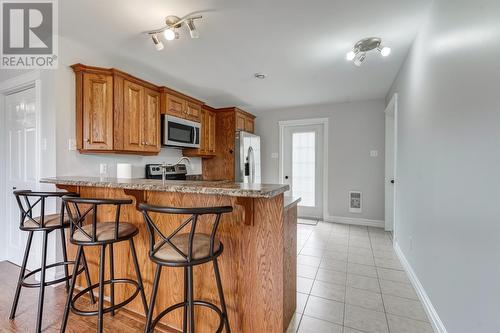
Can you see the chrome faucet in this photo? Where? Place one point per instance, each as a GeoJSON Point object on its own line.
{"type": "Point", "coordinates": [164, 166]}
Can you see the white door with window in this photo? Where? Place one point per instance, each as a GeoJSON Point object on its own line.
{"type": "Point", "coordinates": [20, 167]}
{"type": "Point", "coordinates": [303, 167]}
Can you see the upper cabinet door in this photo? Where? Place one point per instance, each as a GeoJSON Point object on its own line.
{"type": "Point", "coordinates": [151, 121]}
{"type": "Point", "coordinates": [204, 131]}
{"type": "Point", "coordinates": [240, 122]}
{"type": "Point", "coordinates": [193, 111]}
{"type": "Point", "coordinates": [176, 106]}
{"type": "Point", "coordinates": [97, 112]}
{"type": "Point", "coordinates": [249, 125]}
{"type": "Point", "coordinates": [211, 132]}
{"type": "Point", "coordinates": [133, 109]}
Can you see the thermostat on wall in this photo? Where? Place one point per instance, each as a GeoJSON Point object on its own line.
{"type": "Point", "coordinates": [355, 202]}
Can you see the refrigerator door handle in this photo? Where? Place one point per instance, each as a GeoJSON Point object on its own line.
{"type": "Point", "coordinates": [251, 161]}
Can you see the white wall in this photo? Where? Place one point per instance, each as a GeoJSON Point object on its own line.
{"type": "Point", "coordinates": [448, 207]}
{"type": "Point", "coordinates": [355, 129]}
{"type": "Point", "coordinates": [74, 163]}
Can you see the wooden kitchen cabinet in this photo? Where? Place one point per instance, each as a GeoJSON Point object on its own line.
{"type": "Point", "coordinates": [152, 123]}
{"type": "Point", "coordinates": [95, 111]}
{"type": "Point", "coordinates": [179, 105]}
{"type": "Point", "coordinates": [208, 135]}
{"type": "Point", "coordinates": [116, 112]}
{"type": "Point", "coordinates": [244, 121]}
{"type": "Point", "coordinates": [193, 111]}
{"type": "Point", "coordinates": [227, 122]}
{"type": "Point", "coordinates": [175, 106]}
{"type": "Point", "coordinates": [133, 116]}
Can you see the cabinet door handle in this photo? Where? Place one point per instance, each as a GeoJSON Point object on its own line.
{"type": "Point", "coordinates": [87, 140]}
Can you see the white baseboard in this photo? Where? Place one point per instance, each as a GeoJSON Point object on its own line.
{"type": "Point", "coordinates": [436, 322]}
{"type": "Point", "coordinates": [355, 221]}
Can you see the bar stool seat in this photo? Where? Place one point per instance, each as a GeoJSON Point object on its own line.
{"type": "Point", "coordinates": [30, 202]}
{"type": "Point", "coordinates": [52, 221]}
{"type": "Point", "coordinates": [185, 250]}
{"type": "Point", "coordinates": [201, 249]}
{"type": "Point", "coordinates": [86, 230]}
{"type": "Point", "coordinates": [105, 231]}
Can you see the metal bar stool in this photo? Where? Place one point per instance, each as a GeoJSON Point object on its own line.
{"type": "Point", "coordinates": [85, 230]}
{"type": "Point", "coordinates": [185, 250]}
{"type": "Point", "coordinates": [29, 202]}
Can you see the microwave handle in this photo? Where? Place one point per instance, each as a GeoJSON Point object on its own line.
{"type": "Point", "coordinates": [193, 134]}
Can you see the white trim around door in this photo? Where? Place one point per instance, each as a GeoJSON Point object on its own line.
{"type": "Point", "coordinates": [324, 122]}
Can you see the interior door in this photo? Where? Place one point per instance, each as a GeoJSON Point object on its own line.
{"type": "Point", "coordinates": [303, 167]}
{"type": "Point", "coordinates": [21, 165]}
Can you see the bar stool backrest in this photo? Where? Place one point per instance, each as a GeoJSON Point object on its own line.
{"type": "Point", "coordinates": [76, 205]}
{"type": "Point", "coordinates": [32, 205]}
{"type": "Point", "coordinates": [157, 242]}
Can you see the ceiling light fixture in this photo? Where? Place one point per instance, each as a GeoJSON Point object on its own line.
{"type": "Point", "coordinates": [157, 42]}
{"type": "Point", "coordinates": [358, 52]}
{"type": "Point", "coordinates": [172, 24]}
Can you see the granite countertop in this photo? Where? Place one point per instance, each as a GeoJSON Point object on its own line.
{"type": "Point", "coordinates": [188, 186]}
{"type": "Point", "coordinates": [289, 201]}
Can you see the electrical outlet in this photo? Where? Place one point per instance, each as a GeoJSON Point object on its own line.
{"type": "Point", "coordinates": [72, 144]}
{"type": "Point", "coordinates": [274, 155]}
{"type": "Point", "coordinates": [373, 153]}
{"type": "Point", "coordinates": [103, 169]}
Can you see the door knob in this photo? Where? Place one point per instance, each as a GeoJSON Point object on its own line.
{"type": "Point", "coordinates": [392, 181]}
{"type": "Point", "coordinates": [286, 177]}
{"type": "Point", "coordinates": [14, 188]}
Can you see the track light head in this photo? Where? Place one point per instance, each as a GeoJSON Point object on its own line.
{"type": "Point", "coordinates": [169, 34]}
{"type": "Point", "coordinates": [359, 58]}
{"type": "Point", "coordinates": [385, 51]}
{"type": "Point", "coordinates": [157, 42]}
{"type": "Point", "coordinates": [192, 29]}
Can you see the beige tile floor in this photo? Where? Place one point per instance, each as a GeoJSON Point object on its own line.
{"type": "Point", "coordinates": [349, 280]}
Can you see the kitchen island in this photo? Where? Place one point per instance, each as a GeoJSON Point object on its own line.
{"type": "Point", "coordinates": [258, 265]}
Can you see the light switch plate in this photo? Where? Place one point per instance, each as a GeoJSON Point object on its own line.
{"type": "Point", "coordinates": [373, 153]}
{"type": "Point", "coordinates": [274, 155]}
{"type": "Point", "coordinates": [72, 144]}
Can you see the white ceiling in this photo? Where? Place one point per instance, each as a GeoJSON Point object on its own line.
{"type": "Point", "coordinates": [299, 44]}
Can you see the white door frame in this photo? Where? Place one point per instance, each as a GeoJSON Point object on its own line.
{"type": "Point", "coordinates": [18, 83]}
{"type": "Point", "coordinates": [304, 122]}
{"type": "Point", "coordinates": [392, 111]}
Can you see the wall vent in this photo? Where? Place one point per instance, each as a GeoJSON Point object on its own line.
{"type": "Point", "coordinates": [355, 202]}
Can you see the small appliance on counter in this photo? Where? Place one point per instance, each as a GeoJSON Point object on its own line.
{"type": "Point", "coordinates": [124, 170]}
{"type": "Point", "coordinates": [173, 172]}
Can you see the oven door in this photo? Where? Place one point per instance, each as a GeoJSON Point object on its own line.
{"type": "Point", "coordinates": [179, 132]}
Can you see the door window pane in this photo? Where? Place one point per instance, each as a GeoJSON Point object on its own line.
{"type": "Point", "coordinates": [304, 167]}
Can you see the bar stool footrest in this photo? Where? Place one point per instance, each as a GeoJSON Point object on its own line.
{"type": "Point", "coordinates": [49, 283]}
{"type": "Point", "coordinates": [209, 305]}
{"type": "Point", "coordinates": [80, 312]}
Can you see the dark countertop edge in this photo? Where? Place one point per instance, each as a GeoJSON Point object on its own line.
{"type": "Point", "coordinates": [247, 193]}
{"type": "Point", "coordinates": [289, 201]}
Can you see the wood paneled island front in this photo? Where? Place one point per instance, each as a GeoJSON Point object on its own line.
{"type": "Point", "coordinates": [258, 265]}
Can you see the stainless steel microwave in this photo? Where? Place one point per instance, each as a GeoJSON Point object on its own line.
{"type": "Point", "coordinates": [178, 132]}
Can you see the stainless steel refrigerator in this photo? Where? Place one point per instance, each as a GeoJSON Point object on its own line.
{"type": "Point", "coordinates": [247, 158]}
